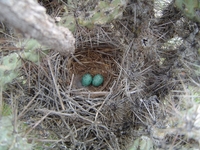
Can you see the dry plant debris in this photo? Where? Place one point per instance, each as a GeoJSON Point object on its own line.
{"type": "Point", "coordinates": [140, 68]}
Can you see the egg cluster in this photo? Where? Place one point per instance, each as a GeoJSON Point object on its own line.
{"type": "Point", "coordinates": [96, 81]}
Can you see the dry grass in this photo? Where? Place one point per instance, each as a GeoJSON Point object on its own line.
{"type": "Point", "coordinates": [138, 74]}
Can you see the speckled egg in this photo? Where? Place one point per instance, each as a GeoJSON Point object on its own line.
{"type": "Point", "coordinates": [97, 80]}
{"type": "Point", "coordinates": [86, 79]}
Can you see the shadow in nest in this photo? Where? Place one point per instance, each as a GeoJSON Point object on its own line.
{"type": "Point", "coordinates": [93, 61]}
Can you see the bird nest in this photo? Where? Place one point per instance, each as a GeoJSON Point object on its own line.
{"type": "Point", "coordinates": [137, 73]}
{"type": "Point", "coordinates": [93, 61]}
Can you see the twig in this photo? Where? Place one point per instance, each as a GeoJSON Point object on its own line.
{"type": "Point", "coordinates": [70, 86]}
{"type": "Point", "coordinates": [20, 115]}
{"type": "Point", "coordinates": [74, 115]}
{"type": "Point", "coordinates": [111, 89]}
{"type": "Point", "coordinates": [57, 90]}
{"type": "Point", "coordinates": [37, 123]}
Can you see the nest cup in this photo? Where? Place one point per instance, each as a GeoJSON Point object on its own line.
{"type": "Point", "coordinates": [93, 61]}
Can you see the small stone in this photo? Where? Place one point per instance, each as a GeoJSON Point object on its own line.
{"type": "Point", "coordinates": [86, 79]}
{"type": "Point", "coordinates": [97, 80]}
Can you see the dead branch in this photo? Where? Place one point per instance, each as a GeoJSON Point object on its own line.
{"type": "Point", "coordinates": [28, 17]}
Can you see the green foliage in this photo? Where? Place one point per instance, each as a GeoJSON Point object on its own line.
{"type": "Point", "coordinates": [8, 68]}
{"type": "Point", "coordinates": [30, 50]}
{"type": "Point", "coordinates": [10, 139]}
{"type": "Point", "coordinates": [104, 12]}
{"type": "Point", "coordinates": [142, 143]}
{"type": "Point", "coordinates": [10, 64]}
{"type": "Point", "coordinates": [191, 8]}
{"type": "Point", "coordinates": [6, 110]}
{"type": "Point", "coordinates": [68, 20]}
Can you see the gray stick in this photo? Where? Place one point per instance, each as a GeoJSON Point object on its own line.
{"type": "Point", "coordinates": [30, 18]}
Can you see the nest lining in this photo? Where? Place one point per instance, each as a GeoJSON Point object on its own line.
{"type": "Point", "coordinates": [94, 61]}
{"type": "Point", "coordinates": [115, 112]}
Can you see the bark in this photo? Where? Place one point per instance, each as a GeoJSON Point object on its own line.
{"type": "Point", "coordinates": [28, 17]}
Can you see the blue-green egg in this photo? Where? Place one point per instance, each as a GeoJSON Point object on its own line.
{"type": "Point", "coordinates": [86, 79]}
{"type": "Point", "coordinates": [97, 80]}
